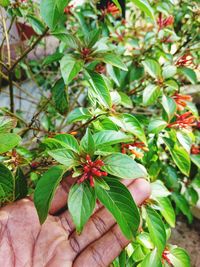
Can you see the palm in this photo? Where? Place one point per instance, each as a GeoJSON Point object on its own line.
{"type": "Point", "coordinates": [24, 242]}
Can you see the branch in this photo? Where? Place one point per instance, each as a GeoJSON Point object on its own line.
{"type": "Point", "coordinates": [29, 49]}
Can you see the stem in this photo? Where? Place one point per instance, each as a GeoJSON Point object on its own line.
{"type": "Point", "coordinates": [6, 37]}
{"type": "Point", "coordinates": [11, 93]}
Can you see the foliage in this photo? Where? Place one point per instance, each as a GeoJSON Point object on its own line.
{"type": "Point", "coordinates": [117, 109]}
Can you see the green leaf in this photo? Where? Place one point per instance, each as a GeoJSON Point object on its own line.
{"type": "Point", "coordinates": [109, 137]}
{"type": "Point", "coordinates": [144, 6]}
{"type": "Point", "coordinates": [87, 143]}
{"type": "Point", "coordinates": [68, 141]}
{"type": "Point", "coordinates": [102, 183]}
{"type": "Point", "coordinates": [116, 2]}
{"type": "Point", "coordinates": [167, 210]}
{"type": "Point", "coordinates": [36, 24]}
{"type": "Point", "coordinates": [184, 139]}
{"type": "Point", "coordinates": [65, 157]}
{"type": "Point", "coordinates": [158, 189]}
{"type": "Point", "coordinates": [152, 67]}
{"type": "Point", "coordinates": [196, 160]}
{"type": "Point", "coordinates": [100, 89]}
{"type": "Point", "coordinates": [151, 259]}
{"type": "Point", "coordinates": [114, 60]}
{"type": "Point", "coordinates": [45, 190]}
{"type": "Point", "coordinates": [21, 187]}
{"type": "Point", "coordinates": [131, 125]}
{"type": "Point", "coordinates": [70, 67]}
{"type": "Point", "coordinates": [179, 155]}
{"type": "Point", "coordinates": [169, 106]}
{"type": "Point", "coordinates": [183, 205]}
{"type": "Point", "coordinates": [60, 97]}
{"type": "Point", "coordinates": [179, 257]}
{"type": "Point", "coordinates": [8, 141]}
{"type": "Point", "coordinates": [151, 94]}
{"type": "Point", "coordinates": [81, 203]}
{"type": "Point", "coordinates": [144, 239]}
{"type": "Point", "coordinates": [156, 126]}
{"type": "Point", "coordinates": [7, 185]}
{"type": "Point", "coordinates": [122, 166]}
{"type": "Point", "coordinates": [69, 40]}
{"type": "Point", "coordinates": [7, 124]}
{"type": "Point", "coordinates": [91, 38]}
{"type": "Point", "coordinates": [120, 203]}
{"type": "Point", "coordinates": [78, 114]}
{"type": "Point", "coordinates": [52, 11]}
{"type": "Point", "coordinates": [52, 58]}
{"type": "Point", "coordinates": [169, 71]}
{"type": "Point", "coordinates": [189, 74]}
{"type": "Point", "coordinates": [156, 229]}
{"type": "Point", "coordinates": [125, 100]}
{"type": "Point", "coordinates": [4, 3]}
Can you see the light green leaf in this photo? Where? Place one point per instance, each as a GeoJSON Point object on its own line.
{"type": "Point", "coordinates": [114, 60]}
{"type": "Point", "coordinates": [7, 124]}
{"type": "Point", "coordinates": [120, 203]}
{"type": "Point", "coordinates": [144, 6]}
{"type": "Point", "coordinates": [156, 229]}
{"type": "Point", "coordinates": [122, 166]}
{"type": "Point", "coordinates": [179, 155]}
{"type": "Point", "coordinates": [81, 203]}
{"type": "Point", "coordinates": [169, 106]}
{"type": "Point", "coordinates": [167, 210]}
{"type": "Point", "coordinates": [152, 67]}
{"type": "Point", "coordinates": [151, 259]}
{"type": "Point", "coordinates": [151, 94]}
{"type": "Point", "coordinates": [8, 141]}
{"type": "Point", "coordinates": [156, 126]}
{"type": "Point", "coordinates": [158, 189]}
{"type": "Point", "coordinates": [87, 143]}
{"type": "Point", "coordinates": [179, 257]}
{"type": "Point", "coordinates": [70, 67]}
{"type": "Point", "coordinates": [45, 190]}
{"type": "Point", "coordinates": [109, 137]}
{"type": "Point", "coordinates": [196, 160]}
{"type": "Point", "coordinates": [78, 114]}
{"type": "Point", "coordinates": [65, 157]}
{"type": "Point", "coordinates": [189, 74]}
{"type": "Point", "coordinates": [52, 11]}
{"type": "Point", "coordinates": [169, 71]}
{"type": "Point", "coordinates": [68, 141]}
{"type": "Point", "coordinates": [100, 89]}
{"type": "Point", "coordinates": [4, 3]}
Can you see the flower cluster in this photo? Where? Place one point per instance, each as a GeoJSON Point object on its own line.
{"type": "Point", "coordinates": [185, 120]}
{"type": "Point", "coordinates": [91, 169]}
{"type": "Point", "coordinates": [195, 150]}
{"type": "Point", "coordinates": [185, 60]}
{"type": "Point", "coordinates": [181, 100]}
{"type": "Point", "coordinates": [165, 254]}
{"type": "Point", "coordinates": [163, 23]}
{"type": "Point", "coordinates": [132, 149]}
{"type": "Point", "coordinates": [110, 9]}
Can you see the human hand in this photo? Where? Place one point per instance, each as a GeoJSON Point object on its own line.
{"type": "Point", "coordinates": [26, 243]}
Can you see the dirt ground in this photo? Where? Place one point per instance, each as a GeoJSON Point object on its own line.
{"type": "Point", "coordinates": [188, 237]}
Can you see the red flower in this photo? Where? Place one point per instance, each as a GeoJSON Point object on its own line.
{"type": "Point", "coordinates": [181, 100]}
{"type": "Point", "coordinates": [68, 9]}
{"type": "Point", "coordinates": [185, 120]}
{"type": "Point", "coordinates": [131, 148]}
{"type": "Point", "coordinates": [100, 68]}
{"type": "Point", "coordinates": [92, 169]}
{"type": "Point", "coordinates": [165, 254]}
{"type": "Point", "coordinates": [163, 23]}
{"type": "Point", "coordinates": [195, 150]}
{"type": "Point", "coordinates": [110, 9]}
{"type": "Point", "coordinates": [185, 60]}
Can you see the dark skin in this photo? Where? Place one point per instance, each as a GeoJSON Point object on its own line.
{"type": "Point", "coordinates": [25, 243]}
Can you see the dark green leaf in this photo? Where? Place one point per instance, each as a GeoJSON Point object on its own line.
{"type": "Point", "coordinates": [45, 190]}
{"type": "Point", "coordinates": [60, 97]}
{"type": "Point", "coordinates": [81, 203]}
{"type": "Point", "coordinates": [196, 160]}
{"type": "Point", "coordinates": [120, 203]}
{"type": "Point", "coordinates": [68, 141]}
{"type": "Point", "coordinates": [52, 58]}
{"type": "Point", "coordinates": [189, 74]}
{"type": "Point", "coordinates": [7, 185]}
{"type": "Point", "coordinates": [122, 166]}
{"type": "Point", "coordinates": [68, 39]}
{"type": "Point", "coordinates": [21, 188]}
{"type": "Point", "coordinates": [36, 24]}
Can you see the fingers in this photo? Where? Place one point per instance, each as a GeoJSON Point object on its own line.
{"type": "Point", "coordinates": [101, 221]}
{"type": "Point", "coordinates": [60, 199]}
{"type": "Point", "coordinates": [102, 252]}
{"type": "Point", "coordinates": [105, 249]}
